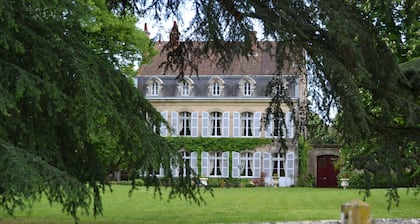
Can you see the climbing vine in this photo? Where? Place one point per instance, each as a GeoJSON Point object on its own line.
{"type": "Point", "coordinates": [217, 144]}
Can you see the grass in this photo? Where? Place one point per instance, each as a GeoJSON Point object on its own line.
{"type": "Point", "coordinates": [230, 205]}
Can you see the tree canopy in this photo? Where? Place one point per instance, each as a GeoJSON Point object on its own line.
{"type": "Point", "coordinates": [69, 112]}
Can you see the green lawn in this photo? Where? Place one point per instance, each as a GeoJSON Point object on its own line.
{"type": "Point", "coordinates": [228, 206]}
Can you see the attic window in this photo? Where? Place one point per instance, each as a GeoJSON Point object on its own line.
{"type": "Point", "coordinates": [154, 86]}
{"type": "Point", "coordinates": [216, 85]}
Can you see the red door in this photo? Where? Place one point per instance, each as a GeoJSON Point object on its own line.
{"type": "Point", "coordinates": [326, 173]}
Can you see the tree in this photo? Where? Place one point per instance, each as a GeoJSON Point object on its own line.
{"type": "Point", "coordinates": [351, 52]}
{"type": "Point", "coordinates": [69, 112]}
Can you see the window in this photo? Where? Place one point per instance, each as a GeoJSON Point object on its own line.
{"type": "Point", "coordinates": [185, 123]}
{"type": "Point", "coordinates": [278, 165]}
{"type": "Point", "coordinates": [247, 89]}
{"type": "Point", "coordinates": [185, 89]}
{"type": "Point", "coordinates": [216, 89]}
{"type": "Point", "coordinates": [215, 85]}
{"type": "Point", "coordinates": [216, 123]}
{"type": "Point", "coordinates": [155, 89]}
{"type": "Point", "coordinates": [154, 86]}
{"type": "Point", "coordinates": [247, 86]}
{"type": "Point", "coordinates": [246, 166]}
{"type": "Point", "coordinates": [247, 119]}
{"type": "Point", "coordinates": [190, 159]}
{"type": "Point", "coordinates": [215, 164]}
{"type": "Point", "coordinates": [277, 127]}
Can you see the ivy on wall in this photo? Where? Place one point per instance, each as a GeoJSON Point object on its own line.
{"type": "Point", "coordinates": [217, 144]}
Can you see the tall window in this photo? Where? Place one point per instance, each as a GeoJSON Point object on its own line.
{"type": "Point", "coordinates": [216, 89]}
{"type": "Point", "coordinates": [247, 88]}
{"type": "Point", "coordinates": [215, 163]}
{"type": "Point", "coordinates": [246, 123]}
{"type": "Point", "coordinates": [154, 91]}
{"type": "Point", "coordinates": [278, 165]}
{"type": "Point", "coordinates": [185, 123]}
{"type": "Point", "coordinates": [277, 127]}
{"type": "Point", "coordinates": [216, 123]}
{"type": "Point", "coordinates": [185, 89]}
{"type": "Point", "coordinates": [186, 156]}
{"type": "Point", "coordinates": [246, 166]}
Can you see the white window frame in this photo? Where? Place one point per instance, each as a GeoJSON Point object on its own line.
{"type": "Point", "coordinates": [246, 164]}
{"type": "Point", "coordinates": [185, 89]}
{"type": "Point", "coordinates": [247, 121]}
{"type": "Point", "coordinates": [185, 123]}
{"type": "Point", "coordinates": [247, 89]}
{"type": "Point", "coordinates": [216, 126]}
{"type": "Point", "coordinates": [154, 90]}
{"type": "Point", "coordinates": [215, 164]}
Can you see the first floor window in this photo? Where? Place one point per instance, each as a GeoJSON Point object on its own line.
{"type": "Point", "coordinates": [278, 165]}
{"type": "Point", "coordinates": [246, 165]}
{"type": "Point", "coordinates": [215, 162]}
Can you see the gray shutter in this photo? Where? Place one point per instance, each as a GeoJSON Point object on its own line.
{"type": "Point", "coordinates": [204, 164]}
{"type": "Point", "coordinates": [290, 125]}
{"type": "Point", "coordinates": [235, 164]}
{"type": "Point", "coordinates": [269, 128]}
{"type": "Point", "coordinates": [193, 162]}
{"type": "Point", "coordinates": [225, 164]}
{"type": "Point", "coordinates": [175, 169]}
{"type": "Point", "coordinates": [194, 124]}
{"type": "Point", "coordinates": [174, 123]}
{"type": "Point", "coordinates": [257, 164]}
{"type": "Point", "coordinates": [236, 124]}
{"type": "Point", "coordinates": [267, 164]}
{"type": "Point", "coordinates": [225, 121]}
{"type": "Point", "coordinates": [163, 129]}
{"type": "Point", "coordinates": [257, 124]}
{"type": "Point", "coordinates": [205, 124]}
{"type": "Point", "coordinates": [290, 165]}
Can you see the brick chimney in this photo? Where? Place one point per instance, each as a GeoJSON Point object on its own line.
{"type": "Point", "coordinates": [174, 36]}
{"type": "Point", "coordinates": [253, 39]}
{"type": "Point", "coordinates": [145, 30]}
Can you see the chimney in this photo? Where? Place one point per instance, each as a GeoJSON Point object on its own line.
{"type": "Point", "coordinates": [174, 36]}
{"type": "Point", "coordinates": [145, 29]}
{"type": "Point", "coordinates": [253, 40]}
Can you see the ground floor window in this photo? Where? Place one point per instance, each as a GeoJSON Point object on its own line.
{"type": "Point", "coordinates": [278, 165]}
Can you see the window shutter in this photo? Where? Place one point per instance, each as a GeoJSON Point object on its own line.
{"type": "Point", "coordinates": [296, 88]}
{"type": "Point", "coordinates": [290, 125]}
{"type": "Point", "coordinates": [161, 171]}
{"type": "Point", "coordinates": [290, 165]}
{"type": "Point", "coordinates": [204, 164]}
{"type": "Point", "coordinates": [174, 123]}
{"type": "Point", "coordinates": [175, 170]}
{"type": "Point", "coordinates": [235, 164]}
{"type": "Point", "coordinates": [267, 164]}
{"type": "Point", "coordinates": [236, 124]}
{"type": "Point", "coordinates": [194, 124]}
{"type": "Point", "coordinates": [205, 124]}
{"type": "Point", "coordinates": [269, 128]}
{"type": "Point", "coordinates": [163, 129]}
{"type": "Point", "coordinates": [225, 164]}
{"type": "Point", "coordinates": [257, 124]}
{"type": "Point", "coordinates": [193, 162]}
{"type": "Point", "coordinates": [257, 164]}
{"type": "Point", "coordinates": [225, 131]}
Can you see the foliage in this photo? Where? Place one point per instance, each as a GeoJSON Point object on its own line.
{"type": "Point", "coordinates": [319, 132]}
{"type": "Point", "coordinates": [304, 179]}
{"type": "Point", "coordinates": [216, 144]}
{"type": "Point", "coordinates": [69, 113]}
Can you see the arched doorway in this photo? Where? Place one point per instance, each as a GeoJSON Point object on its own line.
{"type": "Point", "coordinates": [326, 172]}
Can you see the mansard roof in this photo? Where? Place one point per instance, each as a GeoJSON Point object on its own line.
{"type": "Point", "coordinates": [261, 62]}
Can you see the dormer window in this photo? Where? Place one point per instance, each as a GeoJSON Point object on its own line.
{"type": "Point", "coordinates": [154, 86]}
{"type": "Point", "coordinates": [154, 91]}
{"type": "Point", "coordinates": [216, 85]}
{"type": "Point", "coordinates": [247, 86]}
{"type": "Point", "coordinates": [185, 87]}
{"type": "Point", "coordinates": [216, 89]}
{"type": "Point", "coordinates": [247, 89]}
